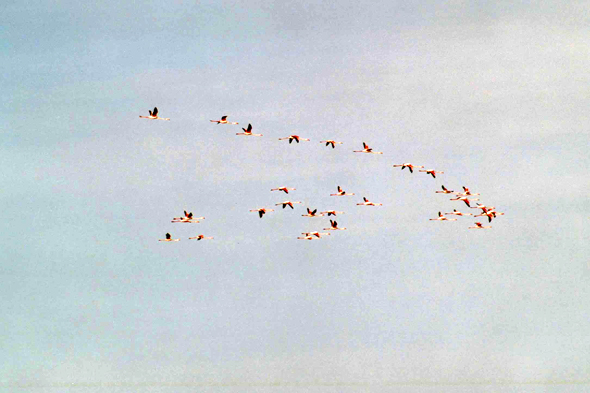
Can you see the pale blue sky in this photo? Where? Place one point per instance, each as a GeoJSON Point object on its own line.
{"type": "Point", "coordinates": [495, 94]}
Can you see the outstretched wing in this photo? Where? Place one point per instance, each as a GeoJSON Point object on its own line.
{"type": "Point", "coordinates": [168, 236]}
{"type": "Point", "coordinates": [155, 112]}
{"type": "Point", "coordinates": [223, 118]}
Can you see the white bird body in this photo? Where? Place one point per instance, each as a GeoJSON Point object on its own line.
{"type": "Point", "coordinates": [154, 115]}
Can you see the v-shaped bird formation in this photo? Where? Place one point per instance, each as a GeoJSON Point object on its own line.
{"type": "Point", "coordinates": [466, 195]}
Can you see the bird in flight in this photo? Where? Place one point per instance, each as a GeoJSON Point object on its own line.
{"type": "Point", "coordinates": [441, 217]}
{"type": "Point", "coordinates": [431, 172]}
{"type": "Point", "coordinates": [286, 203]}
{"type": "Point", "coordinates": [312, 213]}
{"type": "Point", "coordinates": [367, 149]}
{"type": "Point", "coordinates": [292, 138]}
{"type": "Point", "coordinates": [248, 131]}
{"type": "Point", "coordinates": [445, 191]}
{"type": "Point", "coordinates": [154, 115]}
{"type": "Point", "coordinates": [284, 189]}
{"type": "Point", "coordinates": [262, 211]}
{"type": "Point", "coordinates": [222, 121]}
{"type": "Point", "coordinates": [200, 237]}
{"type": "Point", "coordinates": [366, 202]}
{"type": "Point", "coordinates": [455, 212]}
{"type": "Point", "coordinates": [168, 239]}
{"type": "Point", "coordinates": [479, 226]}
{"type": "Point", "coordinates": [188, 218]}
{"type": "Point", "coordinates": [341, 192]}
{"type": "Point", "coordinates": [464, 199]}
{"type": "Point", "coordinates": [332, 213]}
{"type": "Point", "coordinates": [409, 166]}
{"type": "Point", "coordinates": [334, 227]}
{"type": "Point", "coordinates": [331, 142]}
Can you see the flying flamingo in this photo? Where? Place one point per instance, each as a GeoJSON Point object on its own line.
{"type": "Point", "coordinates": [445, 191]}
{"type": "Point", "coordinates": [441, 217]}
{"type": "Point", "coordinates": [341, 192]}
{"type": "Point", "coordinates": [332, 213]}
{"type": "Point", "coordinates": [309, 237]}
{"type": "Point", "coordinates": [295, 138]}
{"type": "Point", "coordinates": [331, 142]}
{"type": "Point", "coordinates": [455, 212]}
{"type": "Point", "coordinates": [284, 189]}
{"type": "Point", "coordinates": [409, 166]}
{"type": "Point", "coordinates": [431, 172]}
{"type": "Point", "coordinates": [483, 208]}
{"type": "Point", "coordinates": [334, 227]}
{"type": "Point", "coordinates": [168, 239]}
{"type": "Point", "coordinates": [188, 218]}
{"type": "Point", "coordinates": [316, 234]}
{"type": "Point", "coordinates": [466, 192]}
{"type": "Point", "coordinates": [222, 121]}
{"type": "Point", "coordinates": [464, 199]}
{"type": "Point", "coordinates": [367, 203]}
{"type": "Point", "coordinates": [311, 213]}
{"type": "Point", "coordinates": [200, 237]}
{"type": "Point", "coordinates": [286, 203]}
{"type": "Point", "coordinates": [479, 226]}
{"type": "Point", "coordinates": [154, 115]}
{"type": "Point", "coordinates": [367, 149]}
{"type": "Point", "coordinates": [262, 211]}
{"type": "Point", "coordinates": [248, 131]}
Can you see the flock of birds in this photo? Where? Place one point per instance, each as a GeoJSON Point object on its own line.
{"type": "Point", "coordinates": [466, 196]}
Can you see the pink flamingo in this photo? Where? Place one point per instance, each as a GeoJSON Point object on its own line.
{"type": "Point", "coordinates": [295, 138]}
{"type": "Point", "coordinates": [286, 203]}
{"type": "Point", "coordinates": [222, 121]}
{"type": "Point", "coordinates": [329, 142]}
{"type": "Point", "coordinates": [248, 131]}
{"type": "Point", "coordinates": [431, 172]}
{"type": "Point", "coordinates": [367, 149]}
{"type": "Point", "coordinates": [200, 237]}
{"type": "Point", "coordinates": [441, 217]}
{"type": "Point", "coordinates": [334, 227]}
{"type": "Point", "coordinates": [368, 203]}
{"type": "Point", "coordinates": [262, 211]}
{"type": "Point", "coordinates": [284, 189]}
{"type": "Point", "coordinates": [445, 191]}
{"type": "Point", "coordinates": [341, 192]}
{"type": "Point", "coordinates": [479, 226]}
{"type": "Point", "coordinates": [168, 239]}
{"type": "Point", "coordinates": [409, 166]}
{"type": "Point", "coordinates": [154, 115]}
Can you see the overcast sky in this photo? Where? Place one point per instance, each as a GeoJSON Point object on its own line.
{"type": "Point", "coordinates": [493, 93]}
